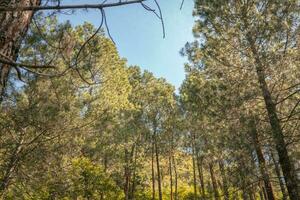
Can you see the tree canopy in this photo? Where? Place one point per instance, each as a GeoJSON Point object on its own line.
{"type": "Point", "coordinates": [77, 122]}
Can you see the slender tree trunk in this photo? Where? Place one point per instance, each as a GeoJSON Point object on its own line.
{"type": "Point", "coordinates": [152, 169]}
{"type": "Point", "coordinates": [133, 187]}
{"type": "Point", "coordinates": [214, 181]}
{"type": "Point", "coordinates": [250, 193]}
{"type": "Point", "coordinates": [200, 173]}
{"type": "Point", "coordinates": [126, 175]}
{"type": "Point", "coordinates": [171, 177]}
{"type": "Point", "coordinates": [261, 193]}
{"type": "Point", "coordinates": [105, 160]}
{"type": "Point", "coordinates": [210, 190]}
{"type": "Point", "coordinates": [264, 192]}
{"type": "Point", "coordinates": [278, 136]}
{"type": "Point", "coordinates": [224, 180]}
{"type": "Point", "coordinates": [194, 166]}
{"type": "Point", "coordinates": [13, 27]}
{"type": "Point", "coordinates": [245, 194]}
{"type": "Point", "coordinates": [171, 151]}
{"type": "Point", "coordinates": [261, 159]}
{"type": "Point", "coordinates": [129, 160]}
{"type": "Point", "coordinates": [176, 178]}
{"type": "Point", "coordinates": [158, 167]}
{"type": "Point", "coordinates": [194, 176]}
{"type": "Point", "coordinates": [200, 170]}
{"type": "Point", "coordinates": [278, 173]}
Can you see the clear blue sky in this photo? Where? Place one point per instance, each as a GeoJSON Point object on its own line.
{"type": "Point", "coordinates": [138, 35]}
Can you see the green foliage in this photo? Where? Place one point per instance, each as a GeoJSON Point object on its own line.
{"type": "Point", "coordinates": [88, 181]}
{"type": "Point", "coordinates": [94, 128]}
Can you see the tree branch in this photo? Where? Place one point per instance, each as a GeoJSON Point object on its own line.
{"type": "Point", "coordinates": [16, 64]}
{"type": "Point", "coordinates": [64, 7]}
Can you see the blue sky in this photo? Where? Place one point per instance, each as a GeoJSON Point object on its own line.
{"type": "Point", "coordinates": [138, 35]}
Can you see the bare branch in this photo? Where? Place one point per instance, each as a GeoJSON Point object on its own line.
{"type": "Point", "coordinates": [90, 38]}
{"type": "Point", "coordinates": [290, 95]}
{"type": "Point", "coordinates": [16, 64]}
{"type": "Point", "coordinates": [157, 14]}
{"type": "Point", "coordinates": [181, 6]}
{"type": "Point", "coordinates": [65, 7]}
{"type": "Point", "coordinates": [106, 26]}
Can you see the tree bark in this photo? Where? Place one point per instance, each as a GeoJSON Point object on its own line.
{"type": "Point", "coordinates": [134, 160]}
{"type": "Point", "coordinates": [214, 181]}
{"type": "Point", "coordinates": [278, 173]}
{"type": "Point", "coordinates": [261, 193]}
{"type": "Point", "coordinates": [13, 28]}
{"type": "Point", "coordinates": [194, 176]}
{"type": "Point", "coordinates": [263, 190]}
{"type": "Point", "coordinates": [127, 175]}
{"type": "Point", "coordinates": [278, 136]}
{"type": "Point", "coordinates": [224, 180]}
{"type": "Point", "coordinates": [201, 177]}
{"type": "Point", "coordinates": [171, 177]}
{"type": "Point", "coordinates": [152, 170]}
{"type": "Point", "coordinates": [157, 167]}
{"type": "Point", "coordinates": [194, 166]}
{"type": "Point", "coordinates": [261, 159]}
{"type": "Point", "coordinates": [176, 178]}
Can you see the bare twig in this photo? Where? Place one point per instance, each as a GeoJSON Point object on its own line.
{"type": "Point", "coordinates": [287, 97]}
{"type": "Point", "coordinates": [158, 15]}
{"type": "Point", "coordinates": [106, 26]}
{"type": "Point", "coordinates": [17, 64]}
{"type": "Point", "coordinates": [90, 38]}
{"type": "Point", "coordinates": [181, 6]}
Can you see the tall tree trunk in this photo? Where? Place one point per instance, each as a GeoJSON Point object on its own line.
{"type": "Point", "coordinates": [158, 167]}
{"type": "Point", "coordinates": [224, 180]}
{"type": "Point", "coordinates": [176, 178]}
{"type": "Point", "coordinates": [263, 189]}
{"type": "Point", "coordinates": [13, 27]}
{"type": "Point", "coordinates": [261, 192]}
{"type": "Point", "coordinates": [133, 185]}
{"type": "Point", "coordinates": [214, 181]}
{"type": "Point", "coordinates": [278, 173]}
{"type": "Point", "coordinates": [129, 160]}
{"type": "Point", "coordinates": [261, 159]}
{"type": "Point", "coordinates": [171, 177]}
{"type": "Point", "coordinates": [278, 136]}
{"type": "Point", "coordinates": [194, 166]}
{"type": "Point", "coordinates": [199, 162]}
{"type": "Point", "coordinates": [126, 175]}
{"type": "Point", "coordinates": [194, 176]}
{"type": "Point", "coordinates": [171, 152]}
{"type": "Point", "coordinates": [152, 170]}
{"type": "Point", "coordinates": [105, 163]}
{"type": "Point", "coordinates": [200, 173]}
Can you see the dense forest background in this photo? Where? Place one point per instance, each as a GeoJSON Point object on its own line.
{"type": "Point", "coordinates": [78, 123]}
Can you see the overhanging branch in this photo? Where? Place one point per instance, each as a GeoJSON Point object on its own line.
{"type": "Point", "coordinates": [16, 64]}
{"type": "Point", "coordinates": [65, 7]}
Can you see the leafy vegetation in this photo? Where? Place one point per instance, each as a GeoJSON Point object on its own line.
{"type": "Point", "coordinates": [95, 128]}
